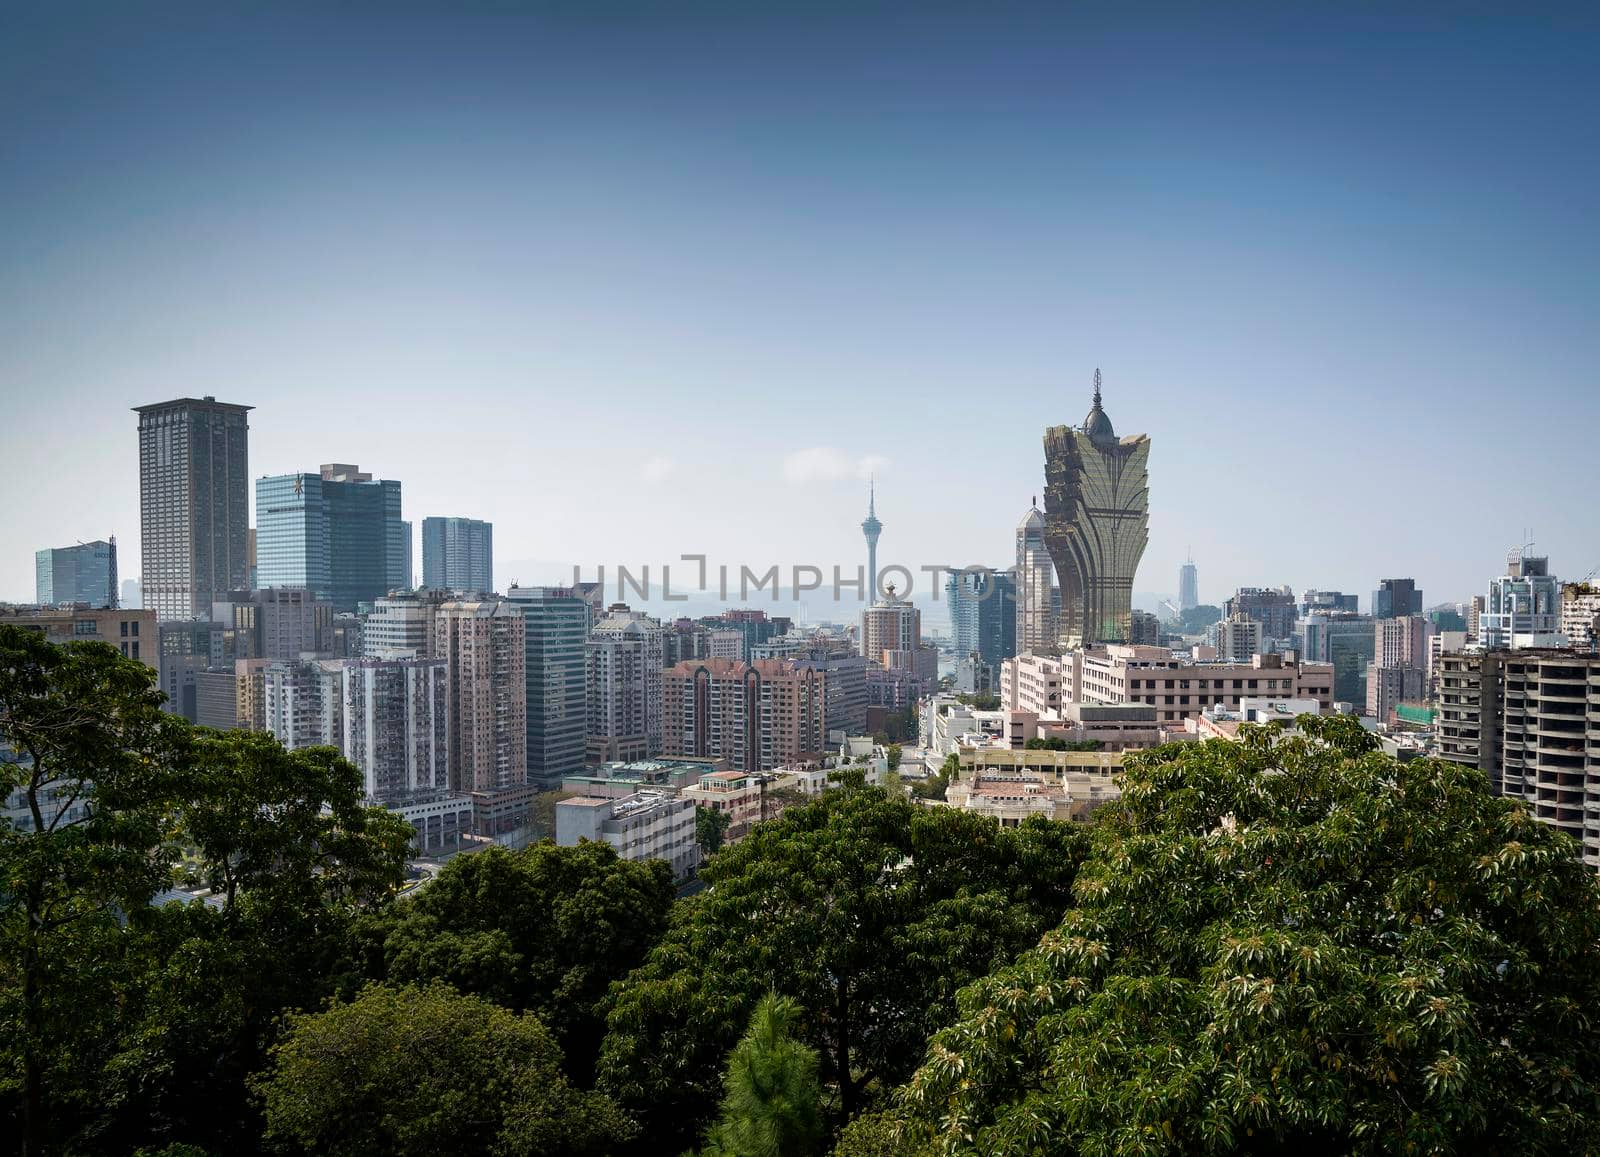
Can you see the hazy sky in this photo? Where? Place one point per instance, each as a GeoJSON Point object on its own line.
{"type": "Point", "coordinates": [634, 281]}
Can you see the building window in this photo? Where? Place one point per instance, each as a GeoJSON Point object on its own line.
{"type": "Point", "coordinates": [85, 627]}
{"type": "Point", "coordinates": [136, 649]}
{"type": "Point", "coordinates": [124, 632]}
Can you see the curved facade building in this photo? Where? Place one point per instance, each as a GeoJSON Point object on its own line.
{"type": "Point", "coordinates": [1096, 523]}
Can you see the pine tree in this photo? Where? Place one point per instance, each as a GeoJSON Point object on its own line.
{"type": "Point", "coordinates": [772, 1105]}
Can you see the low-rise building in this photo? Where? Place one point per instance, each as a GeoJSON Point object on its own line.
{"type": "Point", "coordinates": [1015, 784]}
{"type": "Point", "coordinates": [131, 632]}
{"type": "Point", "coordinates": [615, 780]}
{"type": "Point", "coordinates": [1179, 688]}
{"type": "Point", "coordinates": [644, 825]}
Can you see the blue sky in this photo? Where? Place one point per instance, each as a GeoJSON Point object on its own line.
{"type": "Point", "coordinates": [634, 281]}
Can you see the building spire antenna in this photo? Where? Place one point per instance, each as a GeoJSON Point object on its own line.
{"type": "Point", "coordinates": [1097, 387]}
{"type": "Point", "coordinates": [872, 494]}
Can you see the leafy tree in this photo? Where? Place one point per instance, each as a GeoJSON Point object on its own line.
{"type": "Point", "coordinates": [1195, 620]}
{"type": "Point", "coordinates": [121, 1022]}
{"type": "Point", "coordinates": [1291, 944]}
{"type": "Point", "coordinates": [546, 929]}
{"type": "Point", "coordinates": [772, 1101]}
{"type": "Point", "coordinates": [867, 910]}
{"type": "Point", "coordinates": [93, 760]}
{"type": "Point", "coordinates": [935, 786]}
{"type": "Point", "coordinates": [542, 815]}
{"type": "Point", "coordinates": [982, 701]}
{"type": "Point", "coordinates": [1056, 743]}
{"type": "Point", "coordinates": [421, 1071]}
{"type": "Point", "coordinates": [893, 753]}
{"type": "Point", "coordinates": [710, 827]}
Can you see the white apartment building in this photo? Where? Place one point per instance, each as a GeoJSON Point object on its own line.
{"type": "Point", "coordinates": [1038, 684]}
{"type": "Point", "coordinates": [647, 825]}
{"type": "Point", "coordinates": [396, 714]}
{"type": "Point", "coordinates": [304, 702]}
{"type": "Point", "coordinates": [1238, 638]}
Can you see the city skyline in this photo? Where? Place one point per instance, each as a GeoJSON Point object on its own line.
{"type": "Point", "coordinates": [1345, 285]}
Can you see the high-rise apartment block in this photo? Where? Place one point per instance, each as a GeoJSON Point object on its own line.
{"type": "Point", "coordinates": [757, 716]}
{"type": "Point", "coordinates": [1313, 601]}
{"type": "Point", "coordinates": [556, 631]}
{"type": "Point", "coordinates": [623, 675]}
{"type": "Point", "coordinates": [283, 623]}
{"type": "Point", "coordinates": [1097, 523]}
{"type": "Point", "coordinates": [396, 726]}
{"type": "Point", "coordinates": [1396, 598]}
{"type": "Point", "coordinates": [890, 624]}
{"type": "Point", "coordinates": [1038, 628]}
{"type": "Point", "coordinates": [483, 643]}
{"type": "Point", "coordinates": [1530, 720]}
{"type": "Point", "coordinates": [1275, 610]}
{"type": "Point", "coordinates": [458, 554]}
{"type": "Point", "coordinates": [338, 533]}
{"type": "Point", "coordinates": [1398, 672]}
{"type": "Point", "coordinates": [403, 621]}
{"type": "Point", "coordinates": [194, 503]}
{"type": "Point", "coordinates": [1580, 615]}
{"type": "Point", "coordinates": [1238, 638]}
{"type": "Point", "coordinates": [303, 702]}
{"type": "Point", "coordinates": [86, 573]}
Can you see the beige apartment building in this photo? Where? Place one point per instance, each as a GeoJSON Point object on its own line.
{"type": "Point", "coordinates": [757, 716]}
{"type": "Point", "coordinates": [133, 633]}
{"type": "Point", "coordinates": [482, 645]}
{"type": "Point", "coordinates": [1180, 688]}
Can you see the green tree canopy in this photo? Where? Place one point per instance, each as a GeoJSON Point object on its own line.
{"type": "Point", "coordinates": [121, 1022]}
{"type": "Point", "coordinates": [1291, 944]}
{"type": "Point", "coordinates": [546, 929]}
{"type": "Point", "coordinates": [1197, 619]}
{"type": "Point", "coordinates": [710, 827]}
{"type": "Point", "coordinates": [868, 911]}
{"type": "Point", "coordinates": [414, 1072]}
{"type": "Point", "coordinates": [772, 1098]}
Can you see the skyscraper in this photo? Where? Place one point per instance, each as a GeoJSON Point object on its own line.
{"type": "Point", "coordinates": [1188, 586]}
{"type": "Point", "coordinates": [337, 532]}
{"type": "Point", "coordinates": [1038, 598]}
{"type": "Point", "coordinates": [86, 573]}
{"type": "Point", "coordinates": [983, 616]}
{"type": "Point", "coordinates": [1396, 598]}
{"type": "Point", "coordinates": [194, 503]}
{"type": "Point", "coordinates": [458, 554]}
{"type": "Point", "coordinates": [556, 627]}
{"type": "Point", "coordinates": [1097, 523]}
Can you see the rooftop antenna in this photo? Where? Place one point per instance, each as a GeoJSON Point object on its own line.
{"type": "Point", "coordinates": [1097, 387]}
